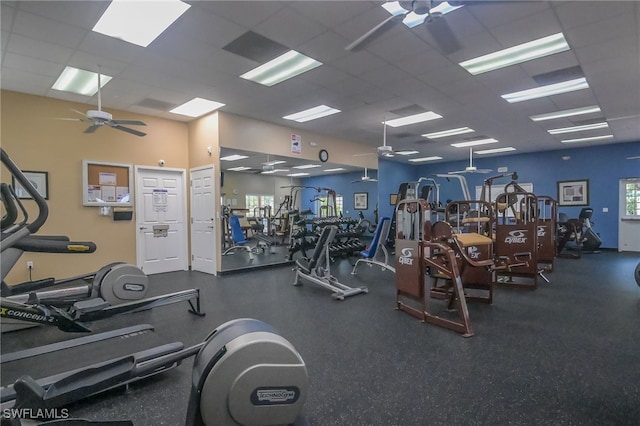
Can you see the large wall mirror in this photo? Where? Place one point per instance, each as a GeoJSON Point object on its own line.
{"type": "Point", "coordinates": [262, 194]}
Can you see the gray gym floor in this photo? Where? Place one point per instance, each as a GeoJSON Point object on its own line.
{"type": "Point", "coordinates": [565, 354]}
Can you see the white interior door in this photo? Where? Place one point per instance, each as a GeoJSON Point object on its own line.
{"type": "Point", "coordinates": [161, 209]}
{"type": "Point", "coordinates": [629, 221]}
{"type": "Point", "coordinates": [203, 232]}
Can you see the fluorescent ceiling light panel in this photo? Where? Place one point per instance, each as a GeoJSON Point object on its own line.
{"type": "Point", "coordinates": [284, 67]}
{"type": "Point", "coordinates": [233, 157]}
{"type": "Point", "coordinates": [273, 163]}
{"type": "Point", "coordinates": [139, 22]}
{"type": "Point", "coordinates": [592, 138]}
{"type": "Point", "coordinates": [307, 166]}
{"type": "Point", "coordinates": [578, 128]}
{"type": "Point", "coordinates": [450, 132]}
{"type": "Point", "coordinates": [474, 143]}
{"type": "Point", "coordinates": [270, 172]}
{"type": "Point", "coordinates": [551, 89]}
{"type": "Point", "coordinates": [412, 119]}
{"type": "Point", "coordinates": [407, 152]}
{"type": "Point", "coordinates": [297, 174]}
{"type": "Point", "coordinates": [239, 169]}
{"type": "Point", "coordinates": [566, 113]}
{"type": "Point", "coordinates": [496, 150]}
{"type": "Point", "coordinates": [517, 54]}
{"type": "Point", "coordinates": [312, 113]}
{"type": "Point", "coordinates": [197, 107]}
{"type": "Point", "coordinates": [417, 160]}
{"type": "Point", "coordinates": [334, 170]}
{"type": "Point", "coordinates": [79, 81]}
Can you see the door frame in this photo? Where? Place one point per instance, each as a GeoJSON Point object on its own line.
{"type": "Point", "coordinates": [625, 221]}
{"type": "Point", "coordinates": [185, 229]}
{"type": "Point", "coordinates": [216, 195]}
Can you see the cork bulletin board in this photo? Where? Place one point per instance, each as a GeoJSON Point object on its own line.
{"type": "Point", "coordinates": [107, 184]}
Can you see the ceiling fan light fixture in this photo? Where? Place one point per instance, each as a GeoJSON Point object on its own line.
{"type": "Point", "coordinates": [139, 22]}
{"type": "Point", "coordinates": [412, 119]}
{"type": "Point", "coordinates": [450, 132]}
{"type": "Point", "coordinates": [548, 90]}
{"type": "Point", "coordinates": [284, 67]}
{"type": "Point", "coordinates": [81, 82]}
{"type": "Point", "coordinates": [534, 49]}
{"type": "Point", "coordinates": [197, 107]}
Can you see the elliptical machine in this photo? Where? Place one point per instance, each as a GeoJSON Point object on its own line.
{"type": "Point", "coordinates": [591, 241]}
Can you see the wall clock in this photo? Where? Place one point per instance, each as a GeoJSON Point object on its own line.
{"type": "Point", "coordinates": [323, 155]}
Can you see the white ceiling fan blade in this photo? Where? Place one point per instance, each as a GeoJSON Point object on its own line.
{"type": "Point", "coordinates": [390, 20]}
{"type": "Point", "coordinates": [129, 122]}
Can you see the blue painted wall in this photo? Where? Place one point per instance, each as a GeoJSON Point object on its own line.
{"type": "Point", "coordinates": [602, 165]}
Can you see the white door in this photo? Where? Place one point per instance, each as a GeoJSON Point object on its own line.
{"type": "Point", "coordinates": [629, 221]}
{"type": "Point", "coordinates": [161, 207]}
{"type": "Point", "coordinates": [203, 232]}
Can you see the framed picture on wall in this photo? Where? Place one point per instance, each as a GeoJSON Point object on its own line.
{"type": "Point", "coordinates": [393, 199]}
{"type": "Point", "coordinates": [573, 193]}
{"type": "Point", "coordinates": [39, 180]}
{"type": "Point", "coordinates": [361, 200]}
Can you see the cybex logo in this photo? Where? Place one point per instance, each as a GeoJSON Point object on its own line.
{"type": "Point", "coordinates": [473, 252]}
{"type": "Point", "coordinates": [406, 256]}
{"type": "Point", "coordinates": [542, 231]}
{"type": "Point", "coordinates": [516, 237]}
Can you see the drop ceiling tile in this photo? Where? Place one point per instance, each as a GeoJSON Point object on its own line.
{"type": "Point", "coordinates": [621, 26]}
{"type": "Point", "coordinates": [494, 14]}
{"type": "Point", "coordinates": [335, 13]}
{"type": "Point", "coordinates": [576, 14]}
{"type": "Point", "coordinates": [38, 49]}
{"type": "Point", "coordinates": [100, 45]}
{"type": "Point", "coordinates": [532, 27]}
{"type": "Point", "coordinates": [357, 63]}
{"type": "Point", "coordinates": [610, 50]}
{"type": "Point", "coordinates": [423, 63]}
{"type": "Point", "coordinates": [198, 24]}
{"type": "Point", "coordinates": [290, 28]}
{"type": "Point", "coordinates": [37, 27]}
{"type": "Point", "coordinates": [326, 47]}
{"type": "Point", "coordinates": [7, 13]}
{"type": "Point", "coordinates": [80, 14]}
{"type": "Point", "coordinates": [248, 14]}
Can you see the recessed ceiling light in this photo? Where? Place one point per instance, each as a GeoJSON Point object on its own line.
{"type": "Point", "coordinates": [474, 143]}
{"type": "Point", "coordinates": [417, 160]}
{"type": "Point", "coordinates": [592, 138]}
{"type": "Point", "coordinates": [239, 169]}
{"type": "Point", "coordinates": [450, 132]}
{"type": "Point", "coordinates": [298, 174]}
{"type": "Point", "coordinates": [197, 107]}
{"type": "Point", "coordinates": [334, 170]}
{"type": "Point", "coordinates": [495, 150]}
{"type": "Point", "coordinates": [139, 22]}
{"type": "Point", "coordinates": [307, 166]}
{"type": "Point", "coordinates": [79, 81]}
{"type": "Point", "coordinates": [407, 152]}
{"type": "Point", "coordinates": [551, 89]}
{"type": "Point", "coordinates": [412, 119]}
{"type": "Point", "coordinates": [284, 67]}
{"type": "Point", "coordinates": [233, 157]}
{"type": "Point", "coordinates": [312, 113]}
{"type": "Point", "coordinates": [517, 54]}
{"type": "Point", "coordinates": [578, 128]}
{"type": "Point", "coordinates": [565, 113]}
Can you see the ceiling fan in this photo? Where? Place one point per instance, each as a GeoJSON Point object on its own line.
{"type": "Point", "coordinates": [365, 178]}
{"type": "Point", "coordinates": [432, 12]}
{"type": "Point", "coordinates": [383, 150]}
{"type": "Point", "coordinates": [471, 168]}
{"type": "Point", "coordinates": [99, 118]}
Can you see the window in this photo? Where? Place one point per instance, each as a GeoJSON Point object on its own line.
{"type": "Point", "coordinates": [632, 199]}
{"type": "Point", "coordinates": [254, 201]}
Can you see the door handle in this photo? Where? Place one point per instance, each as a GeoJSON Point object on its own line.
{"type": "Point", "coordinates": [210, 227]}
{"type": "Point", "coordinates": [143, 227]}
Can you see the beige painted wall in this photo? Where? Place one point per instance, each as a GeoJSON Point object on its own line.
{"type": "Point", "coordinates": [35, 140]}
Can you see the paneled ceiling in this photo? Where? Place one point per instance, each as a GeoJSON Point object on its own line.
{"type": "Point", "coordinates": [400, 68]}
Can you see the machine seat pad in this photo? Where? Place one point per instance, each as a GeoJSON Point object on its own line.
{"type": "Point", "coordinates": [473, 239]}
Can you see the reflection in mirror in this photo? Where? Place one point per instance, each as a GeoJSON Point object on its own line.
{"type": "Point", "coordinates": [264, 196]}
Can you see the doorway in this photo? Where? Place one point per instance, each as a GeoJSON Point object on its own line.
{"type": "Point", "coordinates": [203, 229]}
{"type": "Point", "coordinates": [161, 206]}
{"type": "Point", "coordinates": [629, 219]}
